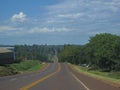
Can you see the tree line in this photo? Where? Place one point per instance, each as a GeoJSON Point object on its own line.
{"type": "Point", "coordinates": [36, 52]}
{"type": "Point", "coordinates": [102, 52]}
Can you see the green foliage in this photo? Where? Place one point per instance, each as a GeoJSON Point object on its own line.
{"type": "Point", "coordinates": [101, 53]}
{"type": "Point", "coordinates": [23, 66]}
{"type": "Point", "coordinates": [35, 52]}
{"type": "Point", "coordinates": [104, 51]}
{"type": "Point", "coordinates": [27, 65]}
{"type": "Point", "coordinates": [72, 54]}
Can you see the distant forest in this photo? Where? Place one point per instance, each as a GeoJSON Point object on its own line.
{"type": "Point", "coordinates": [36, 52]}
{"type": "Point", "coordinates": [102, 52]}
{"type": "Point", "coordinates": [43, 53]}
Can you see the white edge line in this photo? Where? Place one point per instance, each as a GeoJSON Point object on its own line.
{"type": "Point", "coordinates": [80, 81]}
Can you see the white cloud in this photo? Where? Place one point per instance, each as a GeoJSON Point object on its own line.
{"type": "Point", "coordinates": [95, 32]}
{"type": "Point", "coordinates": [81, 14]}
{"type": "Point", "coordinates": [8, 28]}
{"type": "Point", "coordinates": [74, 8]}
{"type": "Point", "coordinates": [74, 15]}
{"type": "Point", "coordinates": [47, 30]}
{"type": "Point", "coordinates": [20, 17]}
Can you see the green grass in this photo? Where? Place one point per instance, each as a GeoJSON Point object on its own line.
{"type": "Point", "coordinates": [24, 66]}
{"type": "Point", "coordinates": [27, 66]}
{"type": "Point", "coordinates": [108, 77]}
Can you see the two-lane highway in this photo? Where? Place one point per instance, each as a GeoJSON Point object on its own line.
{"type": "Point", "coordinates": [57, 76]}
{"type": "Point", "coordinates": [60, 78]}
{"type": "Point", "coordinates": [63, 80]}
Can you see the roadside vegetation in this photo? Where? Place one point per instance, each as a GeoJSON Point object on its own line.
{"type": "Point", "coordinates": [27, 66]}
{"type": "Point", "coordinates": [112, 78]}
{"type": "Point", "coordinates": [18, 68]}
{"type": "Point", "coordinates": [101, 55]}
{"type": "Point", "coordinates": [29, 58]}
{"type": "Point", "coordinates": [7, 70]}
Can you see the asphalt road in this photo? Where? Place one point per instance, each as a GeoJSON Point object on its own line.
{"type": "Point", "coordinates": [57, 76]}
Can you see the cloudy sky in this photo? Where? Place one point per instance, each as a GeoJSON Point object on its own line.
{"type": "Point", "coordinates": [57, 21]}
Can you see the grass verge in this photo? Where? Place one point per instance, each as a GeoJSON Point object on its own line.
{"type": "Point", "coordinates": [24, 66]}
{"type": "Point", "coordinates": [112, 78]}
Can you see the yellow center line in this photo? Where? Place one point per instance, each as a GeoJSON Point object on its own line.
{"type": "Point", "coordinates": [40, 80]}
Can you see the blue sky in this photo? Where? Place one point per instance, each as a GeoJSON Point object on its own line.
{"type": "Point", "coordinates": [57, 21]}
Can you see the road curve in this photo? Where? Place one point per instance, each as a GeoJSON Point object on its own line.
{"type": "Point", "coordinates": [58, 76]}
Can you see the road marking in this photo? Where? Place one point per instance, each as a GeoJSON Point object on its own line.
{"type": "Point", "coordinates": [40, 80]}
{"type": "Point", "coordinates": [80, 81]}
{"type": "Point", "coordinates": [13, 79]}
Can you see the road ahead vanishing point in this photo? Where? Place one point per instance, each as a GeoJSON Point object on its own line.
{"type": "Point", "coordinates": [57, 76]}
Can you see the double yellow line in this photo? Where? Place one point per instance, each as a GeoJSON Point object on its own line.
{"type": "Point", "coordinates": [40, 80]}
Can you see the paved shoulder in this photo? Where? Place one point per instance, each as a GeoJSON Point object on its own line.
{"type": "Point", "coordinates": [92, 83]}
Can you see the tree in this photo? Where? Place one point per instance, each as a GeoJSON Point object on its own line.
{"type": "Point", "coordinates": [101, 53]}
{"type": "Point", "coordinates": [104, 49]}
{"type": "Point", "coordinates": [35, 52]}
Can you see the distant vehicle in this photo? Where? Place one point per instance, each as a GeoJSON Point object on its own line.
{"type": "Point", "coordinates": [85, 65]}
